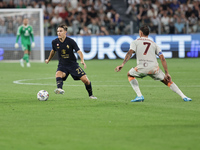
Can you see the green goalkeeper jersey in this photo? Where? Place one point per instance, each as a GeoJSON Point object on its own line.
{"type": "Point", "coordinates": [26, 33]}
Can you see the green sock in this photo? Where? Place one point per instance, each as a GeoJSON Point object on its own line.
{"type": "Point", "coordinates": [26, 57]}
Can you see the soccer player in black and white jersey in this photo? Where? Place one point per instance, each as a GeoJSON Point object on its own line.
{"type": "Point", "coordinates": [146, 52]}
{"type": "Point", "coordinates": [64, 46]}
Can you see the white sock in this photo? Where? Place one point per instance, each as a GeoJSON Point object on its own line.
{"type": "Point", "coordinates": [135, 86]}
{"type": "Point", "coordinates": [175, 88]}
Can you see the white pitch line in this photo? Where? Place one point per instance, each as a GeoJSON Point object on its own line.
{"type": "Point", "coordinates": [109, 85]}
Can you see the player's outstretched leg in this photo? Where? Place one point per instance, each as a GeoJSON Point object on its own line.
{"type": "Point", "coordinates": [175, 88]}
{"type": "Point", "coordinates": [135, 86]}
{"type": "Point", "coordinates": [88, 86]}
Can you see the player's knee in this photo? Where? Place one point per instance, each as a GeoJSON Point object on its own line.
{"type": "Point", "coordinates": [60, 74]}
{"type": "Point", "coordinates": [63, 75]}
{"type": "Point", "coordinates": [130, 78]}
{"type": "Point", "coordinates": [86, 81]}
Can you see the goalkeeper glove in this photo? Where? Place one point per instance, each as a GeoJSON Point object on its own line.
{"type": "Point", "coordinates": [33, 44]}
{"type": "Point", "coordinates": [16, 45]}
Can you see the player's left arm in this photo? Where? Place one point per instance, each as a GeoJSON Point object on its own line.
{"type": "Point", "coordinates": [164, 64]}
{"type": "Point", "coordinates": [32, 37]}
{"type": "Point", "coordinates": [82, 58]}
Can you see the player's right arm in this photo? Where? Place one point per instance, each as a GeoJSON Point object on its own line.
{"type": "Point", "coordinates": [17, 38]}
{"type": "Point", "coordinates": [127, 57]}
{"type": "Point", "coordinates": [52, 53]}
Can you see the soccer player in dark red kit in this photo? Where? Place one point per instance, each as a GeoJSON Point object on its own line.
{"type": "Point", "coordinates": [64, 46]}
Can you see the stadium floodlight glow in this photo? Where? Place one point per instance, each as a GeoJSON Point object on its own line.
{"type": "Point", "coordinates": [13, 18]}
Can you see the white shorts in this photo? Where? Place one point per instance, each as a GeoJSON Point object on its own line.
{"type": "Point", "coordinates": [156, 74]}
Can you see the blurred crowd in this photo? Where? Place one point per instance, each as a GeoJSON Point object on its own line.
{"type": "Point", "coordinates": [98, 17]}
{"type": "Point", "coordinates": [83, 17]}
{"type": "Point", "coordinates": [172, 16]}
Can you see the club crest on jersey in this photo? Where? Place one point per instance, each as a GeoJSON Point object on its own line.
{"type": "Point", "coordinates": [145, 64]}
{"type": "Point", "coordinates": [67, 46]}
{"type": "Point", "coordinates": [58, 46]}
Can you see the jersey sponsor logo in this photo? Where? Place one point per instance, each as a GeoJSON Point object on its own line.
{"type": "Point", "coordinates": [63, 54]}
{"type": "Point", "coordinates": [63, 51]}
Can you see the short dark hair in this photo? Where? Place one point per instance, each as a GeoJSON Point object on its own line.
{"type": "Point", "coordinates": [63, 26]}
{"type": "Point", "coordinates": [145, 30]}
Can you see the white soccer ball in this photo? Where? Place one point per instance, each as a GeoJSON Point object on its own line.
{"type": "Point", "coordinates": [42, 95]}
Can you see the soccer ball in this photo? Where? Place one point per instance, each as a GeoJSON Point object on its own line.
{"type": "Point", "coordinates": [42, 95]}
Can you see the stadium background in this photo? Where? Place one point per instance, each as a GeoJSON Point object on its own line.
{"type": "Point", "coordinates": [115, 46]}
{"type": "Point", "coordinates": [174, 25]}
{"type": "Point", "coordinates": [74, 122]}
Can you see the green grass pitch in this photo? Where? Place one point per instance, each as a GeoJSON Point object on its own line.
{"type": "Point", "coordinates": [74, 122]}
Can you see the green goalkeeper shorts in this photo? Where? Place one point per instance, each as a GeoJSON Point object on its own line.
{"type": "Point", "coordinates": [26, 47]}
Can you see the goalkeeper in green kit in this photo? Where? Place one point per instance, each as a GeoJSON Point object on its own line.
{"type": "Point", "coordinates": [26, 33]}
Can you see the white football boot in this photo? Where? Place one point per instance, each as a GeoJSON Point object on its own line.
{"type": "Point", "coordinates": [21, 62]}
{"type": "Point", "coordinates": [92, 97]}
{"type": "Point", "coordinates": [28, 64]}
{"type": "Point", "coordinates": [59, 91]}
